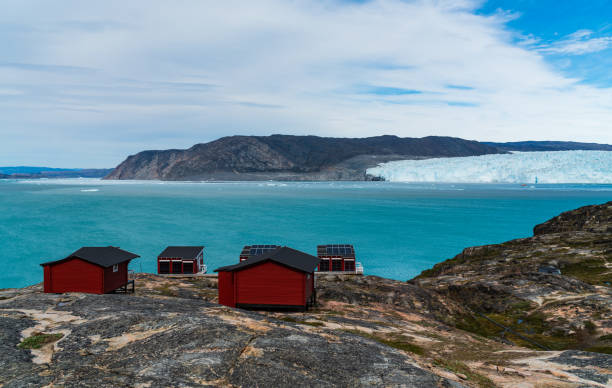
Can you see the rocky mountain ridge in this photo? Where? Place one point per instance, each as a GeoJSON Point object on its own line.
{"type": "Point", "coordinates": [284, 157]}
{"type": "Point", "coordinates": [312, 158]}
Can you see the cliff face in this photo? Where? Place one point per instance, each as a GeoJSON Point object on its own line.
{"type": "Point", "coordinates": [288, 157]}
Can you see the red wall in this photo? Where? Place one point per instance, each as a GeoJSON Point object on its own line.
{"type": "Point", "coordinates": [73, 275]}
{"type": "Point", "coordinates": [226, 288]}
{"type": "Point", "coordinates": [309, 285]}
{"type": "Point", "coordinates": [270, 284]}
{"type": "Point", "coordinates": [114, 280]}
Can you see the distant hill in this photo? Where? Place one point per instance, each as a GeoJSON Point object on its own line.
{"type": "Point", "coordinates": [31, 169]}
{"type": "Point", "coordinates": [526, 146]}
{"type": "Point", "coordinates": [284, 157]}
{"type": "Point", "coordinates": [29, 172]}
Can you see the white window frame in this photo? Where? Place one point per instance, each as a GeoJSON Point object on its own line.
{"type": "Point", "coordinates": [115, 267]}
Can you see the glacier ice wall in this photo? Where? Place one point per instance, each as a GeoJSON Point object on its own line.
{"type": "Point", "coordinates": [518, 167]}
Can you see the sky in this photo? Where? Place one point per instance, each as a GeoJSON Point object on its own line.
{"type": "Point", "coordinates": [84, 84]}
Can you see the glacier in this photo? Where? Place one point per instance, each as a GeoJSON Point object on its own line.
{"type": "Point", "coordinates": [516, 167]}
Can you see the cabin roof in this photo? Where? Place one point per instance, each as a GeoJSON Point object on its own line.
{"type": "Point", "coordinates": [346, 251]}
{"type": "Point", "coordinates": [286, 256]}
{"type": "Point", "coordinates": [257, 249]}
{"type": "Point", "coordinates": [102, 256]}
{"type": "Point", "coordinates": [184, 252]}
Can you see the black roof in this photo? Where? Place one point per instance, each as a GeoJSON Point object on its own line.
{"type": "Point", "coordinates": [257, 249]}
{"type": "Point", "coordinates": [102, 256]}
{"type": "Point", "coordinates": [185, 252]}
{"type": "Point", "coordinates": [346, 251]}
{"type": "Point", "coordinates": [286, 256]}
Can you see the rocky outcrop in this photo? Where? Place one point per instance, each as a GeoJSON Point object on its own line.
{"type": "Point", "coordinates": [284, 157]}
{"type": "Point", "coordinates": [553, 289]}
{"type": "Point", "coordinates": [592, 219]}
{"type": "Point", "coordinates": [126, 341]}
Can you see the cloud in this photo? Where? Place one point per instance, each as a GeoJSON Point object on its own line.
{"type": "Point", "coordinates": [99, 84]}
{"type": "Point", "coordinates": [578, 43]}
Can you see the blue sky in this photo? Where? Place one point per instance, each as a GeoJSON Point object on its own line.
{"type": "Point", "coordinates": [552, 22]}
{"type": "Point", "coordinates": [84, 84]}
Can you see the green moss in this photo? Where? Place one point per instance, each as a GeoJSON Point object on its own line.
{"type": "Point", "coordinates": [293, 320]}
{"type": "Point", "coordinates": [166, 290]}
{"type": "Point", "coordinates": [590, 327]}
{"type": "Point", "coordinates": [396, 341]}
{"type": "Point", "coordinates": [607, 337]}
{"type": "Point", "coordinates": [37, 340]}
{"type": "Point", "coordinates": [459, 367]}
{"type": "Point", "coordinates": [600, 349]}
{"type": "Point", "coordinates": [592, 271]}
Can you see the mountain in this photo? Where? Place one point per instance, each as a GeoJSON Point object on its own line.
{"type": "Point", "coordinates": [284, 157]}
{"type": "Point", "coordinates": [526, 146]}
{"type": "Point", "coordinates": [9, 170]}
{"type": "Point", "coordinates": [26, 172]}
{"type": "Point", "coordinates": [481, 319]}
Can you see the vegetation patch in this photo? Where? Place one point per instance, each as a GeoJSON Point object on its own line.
{"type": "Point", "coordinates": [397, 341]}
{"type": "Point", "coordinates": [37, 340]}
{"type": "Point", "coordinates": [309, 323]}
{"type": "Point", "coordinates": [600, 349]}
{"type": "Point", "coordinates": [592, 271]}
{"type": "Point", "coordinates": [459, 367]}
{"type": "Point", "coordinates": [165, 290]}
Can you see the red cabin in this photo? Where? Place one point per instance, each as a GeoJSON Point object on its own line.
{"type": "Point", "coordinates": [254, 250]}
{"type": "Point", "coordinates": [94, 270]}
{"type": "Point", "coordinates": [336, 258]}
{"type": "Point", "coordinates": [181, 260]}
{"type": "Point", "coordinates": [279, 279]}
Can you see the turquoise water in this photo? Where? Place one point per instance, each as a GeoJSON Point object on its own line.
{"type": "Point", "coordinates": [398, 229]}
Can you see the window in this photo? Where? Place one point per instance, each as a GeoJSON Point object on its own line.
{"type": "Point", "coordinates": [324, 265]}
{"type": "Point", "coordinates": [164, 267]}
{"type": "Point", "coordinates": [349, 265]}
{"type": "Point", "coordinates": [188, 267]}
{"type": "Point", "coordinates": [336, 265]}
{"type": "Point", "coordinates": [116, 268]}
{"type": "Point", "coordinates": [177, 267]}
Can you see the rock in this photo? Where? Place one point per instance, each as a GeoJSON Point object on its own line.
{"type": "Point", "coordinates": [284, 157]}
{"type": "Point", "coordinates": [118, 340]}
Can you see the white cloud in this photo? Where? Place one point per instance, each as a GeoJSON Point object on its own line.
{"type": "Point", "coordinates": [168, 74]}
{"type": "Point", "coordinates": [578, 43]}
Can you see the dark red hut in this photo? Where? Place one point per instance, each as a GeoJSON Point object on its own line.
{"type": "Point", "coordinates": [181, 260]}
{"type": "Point", "coordinates": [336, 258]}
{"type": "Point", "coordinates": [281, 278]}
{"type": "Point", "coordinates": [95, 270]}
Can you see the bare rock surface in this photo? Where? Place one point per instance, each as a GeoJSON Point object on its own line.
{"type": "Point", "coordinates": [124, 340]}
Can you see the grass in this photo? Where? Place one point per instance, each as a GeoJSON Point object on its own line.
{"type": "Point", "coordinates": [396, 341]}
{"type": "Point", "coordinates": [459, 367]}
{"type": "Point", "coordinates": [592, 271]}
{"type": "Point", "coordinates": [293, 320]}
{"type": "Point", "coordinates": [533, 326]}
{"type": "Point", "coordinates": [600, 349]}
{"type": "Point", "coordinates": [165, 290]}
{"type": "Point", "coordinates": [37, 340]}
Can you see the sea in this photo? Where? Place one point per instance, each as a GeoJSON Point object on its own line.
{"type": "Point", "coordinates": [398, 229]}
